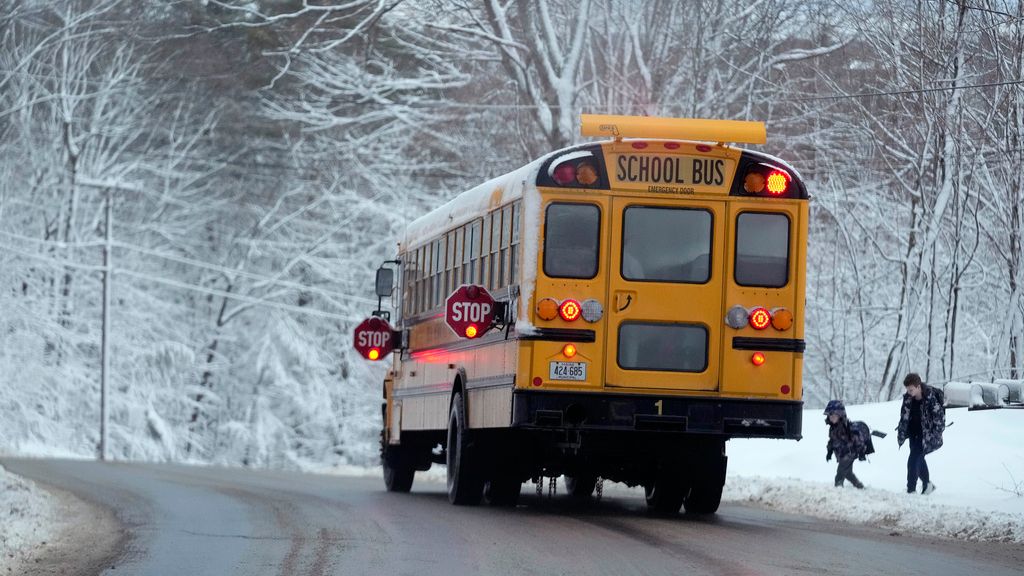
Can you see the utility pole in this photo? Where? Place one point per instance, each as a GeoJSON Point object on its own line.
{"type": "Point", "coordinates": [105, 338]}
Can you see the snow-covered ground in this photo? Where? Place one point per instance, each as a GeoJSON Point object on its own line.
{"type": "Point", "coordinates": [26, 518]}
{"type": "Point", "coordinates": [978, 473]}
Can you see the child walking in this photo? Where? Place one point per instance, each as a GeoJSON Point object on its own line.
{"type": "Point", "coordinates": [843, 441]}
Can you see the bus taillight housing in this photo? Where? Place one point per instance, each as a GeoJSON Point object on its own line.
{"type": "Point", "coordinates": [763, 176]}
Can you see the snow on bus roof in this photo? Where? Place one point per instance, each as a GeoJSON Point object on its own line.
{"type": "Point", "coordinates": [474, 202]}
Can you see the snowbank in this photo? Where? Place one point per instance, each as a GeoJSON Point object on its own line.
{"type": "Point", "coordinates": [978, 474]}
{"type": "Point", "coordinates": [26, 518]}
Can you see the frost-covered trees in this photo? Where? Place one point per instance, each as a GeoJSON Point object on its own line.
{"type": "Point", "coordinates": [263, 157]}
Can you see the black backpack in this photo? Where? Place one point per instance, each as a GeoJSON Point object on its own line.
{"type": "Point", "coordinates": [861, 436]}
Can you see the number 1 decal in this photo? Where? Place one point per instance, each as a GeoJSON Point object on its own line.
{"type": "Point", "coordinates": [659, 404]}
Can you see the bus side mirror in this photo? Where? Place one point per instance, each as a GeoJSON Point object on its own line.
{"type": "Point", "coordinates": [385, 282]}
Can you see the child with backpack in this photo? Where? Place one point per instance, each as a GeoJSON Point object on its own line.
{"type": "Point", "coordinates": [849, 441]}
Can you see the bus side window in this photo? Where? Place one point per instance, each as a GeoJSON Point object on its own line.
{"type": "Point", "coordinates": [407, 291]}
{"type": "Point", "coordinates": [495, 275]}
{"type": "Point", "coordinates": [485, 250]}
{"type": "Point", "coordinates": [469, 253]}
{"type": "Point", "coordinates": [421, 281]}
{"type": "Point", "coordinates": [456, 263]}
{"type": "Point", "coordinates": [506, 238]}
{"type": "Point", "coordinates": [438, 280]}
{"type": "Point", "coordinates": [513, 258]}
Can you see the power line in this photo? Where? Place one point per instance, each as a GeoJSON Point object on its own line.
{"type": "Point", "coordinates": [51, 260]}
{"type": "Point", "coordinates": [903, 92]}
{"type": "Point", "coordinates": [180, 259]}
{"type": "Point", "coordinates": [240, 297]}
{"type": "Point", "coordinates": [252, 275]}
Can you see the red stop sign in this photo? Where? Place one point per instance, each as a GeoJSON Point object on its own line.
{"type": "Point", "coordinates": [374, 338]}
{"type": "Point", "coordinates": [469, 311]}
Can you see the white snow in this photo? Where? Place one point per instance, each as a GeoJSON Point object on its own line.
{"type": "Point", "coordinates": [978, 474]}
{"type": "Point", "coordinates": [26, 518]}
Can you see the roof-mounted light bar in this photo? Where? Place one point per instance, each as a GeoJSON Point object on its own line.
{"type": "Point", "coordinates": [673, 128]}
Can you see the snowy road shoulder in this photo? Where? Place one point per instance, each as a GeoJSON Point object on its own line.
{"type": "Point", "coordinates": [911, 513]}
{"type": "Point", "coordinates": [27, 519]}
{"type": "Point", "coordinates": [977, 472]}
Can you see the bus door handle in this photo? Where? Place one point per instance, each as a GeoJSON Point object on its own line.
{"type": "Point", "coordinates": [623, 299]}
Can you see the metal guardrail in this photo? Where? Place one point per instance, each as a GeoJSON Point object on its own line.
{"type": "Point", "coordinates": [984, 395]}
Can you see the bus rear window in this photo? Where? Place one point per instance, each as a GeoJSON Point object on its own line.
{"type": "Point", "coordinates": [762, 249]}
{"type": "Point", "coordinates": [571, 240]}
{"type": "Point", "coordinates": [663, 347]}
{"type": "Point", "coordinates": [666, 245]}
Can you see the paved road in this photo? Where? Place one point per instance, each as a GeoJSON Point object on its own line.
{"type": "Point", "coordinates": [211, 521]}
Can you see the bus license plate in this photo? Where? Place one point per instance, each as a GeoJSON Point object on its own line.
{"type": "Point", "coordinates": [567, 371]}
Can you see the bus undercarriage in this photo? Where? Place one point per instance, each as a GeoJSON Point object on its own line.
{"type": "Point", "coordinates": [676, 453]}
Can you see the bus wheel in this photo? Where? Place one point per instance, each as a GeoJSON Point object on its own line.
{"type": "Point", "coordinates": [503, 491]}
{"type": "Point", "coordinates": [665, 495]}
{"type": "Point", "coordinates": [706, 494]}
{"type": "Point", "coordinates": [398, 474]}
{"type": "Point", "coordinates": [465, 487]}
{"type": "Point", "coordinates": [580, 487]}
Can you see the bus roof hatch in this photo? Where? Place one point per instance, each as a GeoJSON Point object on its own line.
{"type": "Point", "coordinates": [673, 128]}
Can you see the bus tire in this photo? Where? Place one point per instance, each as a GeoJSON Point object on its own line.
{"type": "Point", "coordinates": [706, 493]}
{"type": "Point", "coordinates": [465, 486]}
{"type": "Point", "coordinates": [503, 491]}
{"type": "Point", "coordinates": [665, 494]}
{"type": "Point", "coordinates": [398, 474]}
{"type": "Point", "coordinates": [580, 487]}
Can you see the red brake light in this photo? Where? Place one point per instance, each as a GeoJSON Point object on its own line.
{"type": "Point", "coordinates": [760, 318]}
{"type": "Point", "coordinates": [758, 358]}
{"type": "Point", "coordinates": [570, 310]}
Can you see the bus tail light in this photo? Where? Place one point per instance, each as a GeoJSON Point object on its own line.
{"type": "Point", "coordinates": [760, 318]}
{"type": "Point", "coordinates": [569, 310]}
{"type": "Point", "coordinates": [758, 358]}
{"type": "Point", "coordinates": [569, 350]}
{"type": "Point", "coordinates": [782, 319]}
{"type": "Point", "coordinates": [547, 309]}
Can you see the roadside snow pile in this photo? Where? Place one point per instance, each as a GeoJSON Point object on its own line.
{"type": "Point", "coordinates": [903, 512]}
{"type": "Point", "coordinates": [26, 517]}
{"type": "Point", "coordinates": [978, 474]}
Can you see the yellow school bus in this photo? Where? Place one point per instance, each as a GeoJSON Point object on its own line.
{"type": "Point", "coordinates": [649, 295]}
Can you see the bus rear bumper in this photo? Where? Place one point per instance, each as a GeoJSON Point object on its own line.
{"type": "Point", "coordinates": [727, 417]}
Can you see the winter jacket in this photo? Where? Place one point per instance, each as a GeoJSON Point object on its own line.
{"type": "Point", "coordinates": [933, 419]}
{"type": "Point", "coordinates": [848, 439]}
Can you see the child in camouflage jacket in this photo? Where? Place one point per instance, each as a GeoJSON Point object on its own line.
{"type": "Point", "coordinates": [849, 441]}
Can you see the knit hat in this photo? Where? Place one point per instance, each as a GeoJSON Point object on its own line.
{"type": "Point", "coordinates": [835, 407]}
